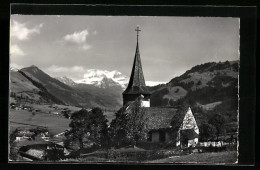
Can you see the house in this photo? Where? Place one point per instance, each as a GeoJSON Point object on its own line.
{"type": "Point", "coordinates": [18, 108]}
{"type": "Point", "coordinates": [42, 150]}
{"type": "Point", "coordinates": [158, 120]}
{"type": "Point", "coordinates": [55, 113]}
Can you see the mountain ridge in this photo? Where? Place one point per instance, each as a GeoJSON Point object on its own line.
{"type": "Point", "coordinates": [99, 78]}
{"type": "Point", "coordinates": [54, 91]}
{"type": "Point", "coordinates": [193, 86]}
{"type": "Point", "coordinates": [211, 77]}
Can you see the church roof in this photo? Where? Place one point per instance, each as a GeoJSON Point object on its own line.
{"type": "Point", "coordinates": [136, 83]}
{"type": "Point", "coordinates": [159, 117]}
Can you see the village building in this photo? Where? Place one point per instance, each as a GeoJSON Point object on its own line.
{"type": "Point", "coordinates": [158, 120]}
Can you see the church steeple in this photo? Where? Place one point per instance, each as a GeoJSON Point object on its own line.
{"type": "Point", "coordinates": [136, 86]}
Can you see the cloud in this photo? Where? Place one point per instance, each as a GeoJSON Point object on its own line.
{"type": "Point", "coordinates": [73, 72]}
{"type": "Point", "coordinates": [85, 47]}
{"type": "Point", "coordinates": [16, 50]}
{"type": "Point", "coordinates": [78, 38]}
{"type": "Point", "coordinates": [21, 32]}
{"type": "Point", "coordinates": [58, 69]}
{"type": "Point", "coordinates": [16, 66]}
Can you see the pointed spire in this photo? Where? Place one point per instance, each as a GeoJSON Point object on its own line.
{"type": "Point", "coordinates": [137, 32]}
{"type": "Point", "coordinates": [136, 83]}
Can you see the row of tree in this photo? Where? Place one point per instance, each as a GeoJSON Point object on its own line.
{"type": "Point", "coordinates": [89, 128]}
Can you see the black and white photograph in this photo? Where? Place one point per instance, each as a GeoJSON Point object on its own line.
{"type": "Point", "coordinates": [124, 89]}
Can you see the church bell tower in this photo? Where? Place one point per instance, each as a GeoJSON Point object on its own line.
{"type": "Point", "coordinates": [136, 86]}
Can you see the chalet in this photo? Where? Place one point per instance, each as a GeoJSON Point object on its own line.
{"type": "Point", "coordinates": [42, 151]}
{"type": "Point", "coordinates": [158, 120]}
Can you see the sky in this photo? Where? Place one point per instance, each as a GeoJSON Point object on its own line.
{"type": "Point", "coordinates": [169, 46]}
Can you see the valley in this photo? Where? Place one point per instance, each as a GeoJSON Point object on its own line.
{"type": "Point", "coordinates": [51, 117]}
{"type": "Point", "coordinates": [39, 102]}
{"type": "Point", "coordinates": [53, 100]}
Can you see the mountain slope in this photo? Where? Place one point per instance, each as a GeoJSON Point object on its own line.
{"type": "Point", "coordinates": [201, 85]}
{"type": "Point", "coordinates": [66, 80]}
{"type": "Point", "coordinates": [21, 86]}
{"type": "Point", "coordinates": [62, 92]}
{"type": "Point", "coordinates": [78, 94]}
{"type": "Point", "coordinates": [110, 97]}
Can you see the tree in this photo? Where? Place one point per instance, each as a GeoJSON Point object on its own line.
{"type": "Point", "coordinates": [218, 121]}
{"type": "Point", "coordinates": [13, 149]}
{"type": "Point", "coordinates": [136, 129]}
{"type": "Point", "coordinates": [199, 82]}
{"type": "Point", "coordinates": [176, 123]}
{"type": "Point", "coordinates": [117, 128]}
{"type": "Point", "coordinates": [87, 128]}
{"type": "Point", "coordinates": [207, 131]}
{"type": "Point", "coordinates": [129, 125]}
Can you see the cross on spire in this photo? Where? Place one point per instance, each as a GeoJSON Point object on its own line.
{"type": "Point", "coordinates": [137, 31]}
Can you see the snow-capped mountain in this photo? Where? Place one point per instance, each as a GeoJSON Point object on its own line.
{"type": "Point", "coordinates": [153, 83]}
{"type": "Point", "coordinates": [14, 69]}
{"type": "Point", "coordinates": [66, 80]}
{"type": "Point", "coordinates": [104, 78]}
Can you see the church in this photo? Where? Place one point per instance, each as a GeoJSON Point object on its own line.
{"type": "Point", "coordinates": [158, 120]}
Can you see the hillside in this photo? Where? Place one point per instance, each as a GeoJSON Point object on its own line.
{"type": "Point", "coordinates": [63, 93]}
{"type": "Point", "coordinates": [109, 97]}
{"type": "Point", "coordinates": [206, 87]}
{"type": "Point", "coordinates": [21, 86]}
{"type": "Point", "coordinates": [42, 88]}
{"type": "Point", "coordinates": [66, 80]}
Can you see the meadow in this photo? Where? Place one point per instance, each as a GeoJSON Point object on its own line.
{"type": "Point", "coordinates": [45, 118]}
{"type": "Point", "coordinates": [24, 118]}
{"type": "Point", "coordinates": [228, 157]}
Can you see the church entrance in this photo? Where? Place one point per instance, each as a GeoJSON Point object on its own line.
{"type": "Point", "coordinates": [162, 136]}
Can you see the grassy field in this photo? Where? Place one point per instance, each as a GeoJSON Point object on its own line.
{"type": "Point", "coordinates": [24, 118]}
{"type": "Point", "coordinates": [46, 108]}
{"type": "Point", "coordinates": [229, 157]}
{"type": "Point", "coordinates": [175, 93]}
{"type": "Point", "coordinates": [55, 123]}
